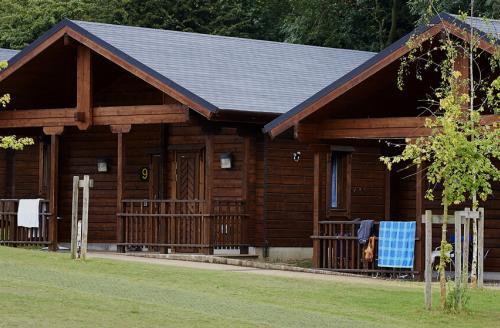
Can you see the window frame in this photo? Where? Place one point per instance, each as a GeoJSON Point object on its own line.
{"type": "Point", "coordinates": [343, 189]}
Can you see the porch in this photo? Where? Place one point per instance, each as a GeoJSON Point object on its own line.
{"type": "Point", "coordinates": [165, 226]}
{"type": "Point", "coordinates": [183, 225]}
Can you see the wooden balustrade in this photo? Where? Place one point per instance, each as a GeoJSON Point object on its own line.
{"type": "Point", "coordinates": [13, 235]}
{"type": "Point", "coordinates": [229, 224]}
{"type": "Point", "coordinates": [182, 225]}
{"type": "Point", "coordinates": [341, 251]}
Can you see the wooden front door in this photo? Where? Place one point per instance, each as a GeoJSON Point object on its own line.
{"type": "Point", "coordinates": [188, 177]}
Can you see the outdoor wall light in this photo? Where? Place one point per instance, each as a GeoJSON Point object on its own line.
{"type": "Point", "coordinates": [296, 156]}
{"type": "Point", "coordinates": [226, 160]}
{"type": "Point", "coordinates": [102, 165]}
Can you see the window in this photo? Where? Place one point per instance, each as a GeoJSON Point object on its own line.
{"type": "Point", "coordinates": [339, 184]}
{"type": "Point", "coordinates": [334, 181]}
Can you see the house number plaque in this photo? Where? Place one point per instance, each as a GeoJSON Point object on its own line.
{"type": "Point", "coordinates": [144, 174]}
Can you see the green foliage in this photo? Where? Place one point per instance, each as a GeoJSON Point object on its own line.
{"type": "Point", "coordinates": [457, 297]}
{"type": "Point", "coordinates": [11, 142]}
{"type": "Point", "coordinates": [364, 25]}
{"type": "Point", "coordinates": [28, 19]}
{"type": "Point", "coordinates": [460, 149]}
{"type": "Point", "coordinates": [425, 9]}
{"type": "Point", "coordinates": [361, 24]}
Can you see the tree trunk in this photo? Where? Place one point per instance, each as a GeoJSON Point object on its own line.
{"type": "Point", "coordinates": [394, 22]}
{"type": "Point", "coordinates": [442, 255]}
{"type": "Point", "coordinates": [473, 274]}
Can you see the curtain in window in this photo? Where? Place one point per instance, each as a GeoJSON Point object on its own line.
{"type": "Point", "coordinates": [334, 179]}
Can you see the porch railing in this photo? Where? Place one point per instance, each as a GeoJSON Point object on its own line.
{"type": "Point", "coordinates": [13, 235]}
{"type": "Point", "coordinates": [229, 224]}
{"type": "Point", "coordinates": [340, 250]}
{"type": "Point", "coordinates": [182, 225]}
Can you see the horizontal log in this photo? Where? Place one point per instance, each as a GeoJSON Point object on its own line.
{"type": "Point", "coordinates": [37, 118]}
{"type": "Point", "coordinates": [371, 128]}
{"type": "Point", "coordinates": [116, 115]}
{"type": "Point", "coordinates": [147, 114]}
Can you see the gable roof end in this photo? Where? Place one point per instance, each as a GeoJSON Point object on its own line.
{"type": "Point", "coordinates": [490, 33]}
{"type": "Point", "coordinates": [82, 35]}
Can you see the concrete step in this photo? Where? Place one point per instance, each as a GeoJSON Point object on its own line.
{"type": "Point", "coordinates": [238, 256]}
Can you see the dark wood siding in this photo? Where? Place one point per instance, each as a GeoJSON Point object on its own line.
{"type": "Point", "coordinates": [78, 156]}
{"type": "Point", "coordinates": [284, 194]}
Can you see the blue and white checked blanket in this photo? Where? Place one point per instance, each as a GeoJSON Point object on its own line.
{"type": "Point", "coordinates": [396, 245]}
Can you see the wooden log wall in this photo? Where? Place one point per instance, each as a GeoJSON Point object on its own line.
{"type": "Point", "coordinates": [25, 171]}
{"type": "Point", "coordinates": [368, 183]}
{"type": "Point", "coordinates": [286, 188]}
{"type": "Point", "coordinates": [81, 149]}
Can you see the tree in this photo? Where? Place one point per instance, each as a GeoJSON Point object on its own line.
{"type": "Point", "coordinates": [261, 19]}
{"type": "Point", "coordinates": [364, 25]}
{"type": "Point", "coordinates": [425, 9]}
{"type": "Point", "coordinates": [11, 142]}
{"type": "Point", "coordinates": [460, 151]}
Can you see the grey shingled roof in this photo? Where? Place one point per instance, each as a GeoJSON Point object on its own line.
{"type": "Point", "coordinates": [489, 26]}
{"type": "Point", "coordinates": [233, 73]}
{"type": "Point", "coordinates": [6, 54]}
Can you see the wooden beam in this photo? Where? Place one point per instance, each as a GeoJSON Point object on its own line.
{"type": "Point", "coordinates": [83, 87]}
{"type": "Point", "coordinates": [147, 114]}
{"type": "Point", "coordinates": [124, 128]}
{"type": "Point", "coordinates": [371, 128]}
{"type": "Point", "coordinates": [304, 132]}
{"type": "Point", "coordinates": [54, 186]}
{"type": "Point", "coordinates": [419, 199]}
{"type": "Point", "coordinates": [153, 81]}
{"type": "Point", "coordinates": [120, 156]}
{"type": "Point", "coordinates": [53, 130]}
{"type": "Point", "coordinates": [37, 118]}
{"type": "Point", "coordinates": [115, 115]}
{"type": "Point", "coordinates": [209, 173]}
{"type": "Point", "coordinates": [316, 207]}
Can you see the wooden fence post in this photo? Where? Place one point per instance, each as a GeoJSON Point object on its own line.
{"type": "Point", "coordinates": [74, 217]}
{"type": "Point", "coordinates": [465, 250]}
{"type": "Point", "coordinates": [428, 259]}
{"type": "Point", "coordinates": [458, 250]}
{"type": "Point", "coordinates": [480, 248]}
{"type": "Point", "coordinates": [85, 215]}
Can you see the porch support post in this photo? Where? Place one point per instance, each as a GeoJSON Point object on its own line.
{"type": "Point", "coordinates": [248, 192]}
{"type": "Point", "coordinates": [419, 244]}
{"type": "Point", "coordinates": [318, 151]}
{"type": "Point", "coordinates": [119, 130]}
{"type": "Point", "coordinates": [54, 133]}
{"type": "Point", "coordinates": [209, 149]}
{"type": "Point", "coordinates": [83, 114]}
{"type": "Point", "coordinates": [162, 236]}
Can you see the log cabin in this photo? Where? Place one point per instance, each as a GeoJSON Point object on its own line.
{"type": "Point", "coordinates": [209, 144]}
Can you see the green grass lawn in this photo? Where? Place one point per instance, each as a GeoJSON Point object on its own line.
{"type": "Point", "coordinates": [39, 289]}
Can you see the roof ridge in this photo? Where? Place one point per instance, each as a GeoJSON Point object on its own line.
{"type": "Point", "coordinates": [217, 36]}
